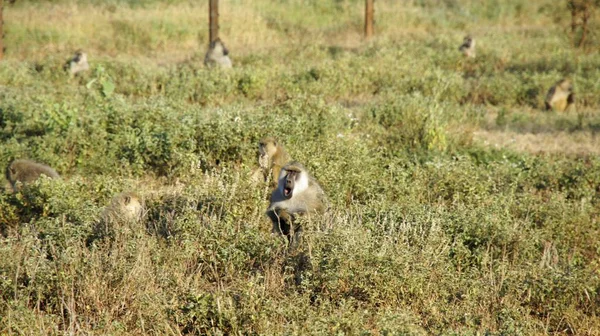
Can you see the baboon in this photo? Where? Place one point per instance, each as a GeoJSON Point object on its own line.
{"type": "Point", "coordinates": [468, 46]}
{"type": "Point", "coordinates": [77, 64]}
{"type": "Point", "coordinates": [125, 207]}
{"type": "Point", "coordinates": [560, 96]}
{"type": "Point", "coordinates": [297, 194]}
{"type": "Point", "coordinates": [26, 171]}
{"type": "Point", "coordinates": [217, 55]}
{"type": "Point", "coordinates": [120, 218]}
{"type": "Point", "coordinates": [271, 157]}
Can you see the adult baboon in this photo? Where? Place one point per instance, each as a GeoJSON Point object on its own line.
{"type": "Point", "coordinates": [297, 194]}
{"type": "Point", "coordinates": [77, 64]}
{"type": "Point", "coordinates": [560, 96]}
{"type": "Point", "coordinates": [21, 172]}
{"type": "Point", "coordinates": [468, 46]}
{"type": "Point", "coordinates": [217, 55]}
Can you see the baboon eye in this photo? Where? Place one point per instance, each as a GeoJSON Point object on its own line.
{"type": "Point", "coordinates": [127, 200]}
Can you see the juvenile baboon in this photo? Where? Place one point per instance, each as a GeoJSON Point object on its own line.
{"type": "Point", "coordinates": [125, 207]}
{"type": "Point", "coordinates": [297, 194]}
{"type": "Point", "coordinates": [271, 157]}
{"type": "Point", "coordinates": [217, 55]}
{"type": "Point", "coordinates": [77, 64]}
{"type": "Point", "coordinates": [468, 46]}
{"type": "Point", "coordinates": [560, 96]}
{"type": "Point", "coordinates": [120, 218]}
{"type": "Point", "coordinates": [26, 171]}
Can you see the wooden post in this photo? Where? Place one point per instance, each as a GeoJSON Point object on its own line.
{"type": "Point", "coordinates": [213, 19]}
{"type": "Point", "coordinates": [369, 10]}
{"type": "Point", "coordinates": [1, 29]}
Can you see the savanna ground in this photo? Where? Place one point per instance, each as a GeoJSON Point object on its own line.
{"type": "Point", "coordinates": [459, 206]}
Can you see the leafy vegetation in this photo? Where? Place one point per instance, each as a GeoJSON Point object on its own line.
{"type": "Point", "coordinates": [434, 228]}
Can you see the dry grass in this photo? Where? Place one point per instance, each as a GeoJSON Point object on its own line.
{"type": "Point", "coordinates": [429, 231]}
{"type": "Point", "coordinates": [570, 143]}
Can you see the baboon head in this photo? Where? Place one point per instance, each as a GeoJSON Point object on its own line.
{"type": "Point", "coordinates": [293, 180]}
{"type": "Point", "coordinates": [79, 56]}
{"type": "Point", "coordinates": [565, 85]}
{"type": "Point", "coordinates": [129, 205]}
{"type": "Point", "coordinates": [267, 147]}
{"type": "Point", "coordinates": [468, 41]}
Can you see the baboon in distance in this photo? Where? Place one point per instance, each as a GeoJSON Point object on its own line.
{"type": "Point", "coordinates": [297, 194]}
{"type": "Point", "coordinates": [560, 96]}
{"type": "Point", "coordinates": [125, 211]}
{"type": "Point", "coordinates": [468, 46]}
{"type": "Point", "coordinates": [77, 64]}
{"type": "Point", "coordinates": [271, 158]}
{"type": "Point", "coordinates": [26, 171]}
{"type": "Point", "coordinates": [125, 207]}
{"type": "Point", "coordinates": [217, 55]}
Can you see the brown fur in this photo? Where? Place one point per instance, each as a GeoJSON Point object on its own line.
{"type": "Point", "coordinates": [27, 171]}
{"type": "Point", "coordinates": [560, 96]}
{"type": "Point", "coordinates": [126, 206]}
{"type": "Point", "coordinates": [120, 218]}
{"type": "Point", "coordinates": [271, 157]}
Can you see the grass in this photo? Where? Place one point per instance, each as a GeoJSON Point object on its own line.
{"type": "Point", "coordinates": [459, 206]}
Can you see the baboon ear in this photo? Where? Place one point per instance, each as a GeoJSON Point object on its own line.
{"type": "Point", "coordinates": [127, 200]}
{"type": "Point", "coordinates": [12, 170]}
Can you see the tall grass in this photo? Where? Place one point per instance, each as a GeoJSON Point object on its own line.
{"type": "Point", "coordinates": [431, 231]}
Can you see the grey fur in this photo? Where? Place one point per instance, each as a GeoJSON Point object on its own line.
{"type": "Point", "coordinates": [27, 171]}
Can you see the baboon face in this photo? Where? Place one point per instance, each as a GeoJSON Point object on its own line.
{"type": "Point", "coordinates": [263, 156]}
{"type": "Point", "coordinates": [293, 180]}
{"type": "Point", "coordinates": [267, 149]}
{"type": "Point", "coordinates": [132, 208]}
{"type": "Point", "coordinates": [267, 146]}
{"type": "Point", "coordinates": [290, 181]}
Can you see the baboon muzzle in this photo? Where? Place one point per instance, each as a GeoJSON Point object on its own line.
{"type": "Point", "coordinates": [288, 188]}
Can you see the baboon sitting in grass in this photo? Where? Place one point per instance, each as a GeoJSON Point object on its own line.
{"type": "Point", "coordinates": [122, 216]}
{"type": "Point", "coordinates": [77, 64]}
{"type": "Point", "coordinates": [217, 55]}
{"type": "Point", "coordinates": [297, 194]}
{"type": "Point", "coordinates": [271, 158]}
{"type": "Point", "coordinates": [560, 96]}
{"type": "Point", "coordinates": [468, 47]}
{"type": "Point", "coordinates": [125, 207]}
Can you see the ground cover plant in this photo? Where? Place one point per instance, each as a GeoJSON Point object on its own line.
{"type": "Point", "coordinates": [458, 205]}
